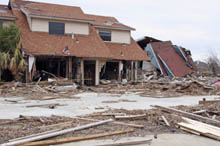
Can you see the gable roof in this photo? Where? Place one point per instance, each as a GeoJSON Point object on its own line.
{"type": "Point", "coordinates": [40, 43]}
{"type": "Point", "coordinates": [6, 13]}
{"type": "Point", "coordinates": [91, 46]}
{"type": "Point", "coordinates": [108, 22]}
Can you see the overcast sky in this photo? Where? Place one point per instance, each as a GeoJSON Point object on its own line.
{"type": "Point", "coordinates": [193, 24]}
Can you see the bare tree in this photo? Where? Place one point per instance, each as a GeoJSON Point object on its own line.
{"type": "Point", "coordinates": [213, 62]}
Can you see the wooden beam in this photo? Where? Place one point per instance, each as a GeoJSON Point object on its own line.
{"type": "Point", "coordinates": [56, 133]}
{"type": "Point", "coordinates": [131, 117]}
{"type": "Point", "coordinates": [189, 115]}
{"type": "Point", "coordinates": [136, 142]}
{"type": "Point", "coordinates": [74, 139]}
{"type": "Point", "coordinates": [165, 120]}
{"type": "Point", "coordinates": [115, 122]}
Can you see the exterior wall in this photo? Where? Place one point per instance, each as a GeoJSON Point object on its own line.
{"type": "Point", "coordinates": [6, 23]}
{"type": "Point", "coordinates": [42, 25]}
{"type": "Point", "coordinates": [119, 36]}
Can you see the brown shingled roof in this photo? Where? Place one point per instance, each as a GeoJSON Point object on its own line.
{"type": "Point", "coordinates": [40, 43]}
{"type": "Point", "coordinates": [127, 51]}
{"type": "Point", "coordinates": [54, 10]}
{"type": "Point", "coordinates": [108, 22]}
{"type": "Point", "coordinates": [5, 12]}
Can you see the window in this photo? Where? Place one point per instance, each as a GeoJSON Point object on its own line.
{"type": "Point", "coordinates": [105, 35]}
{"type": "Point", "coordinates": [56, 28]}
{"type": "Point", "coordinates": [1, 23]}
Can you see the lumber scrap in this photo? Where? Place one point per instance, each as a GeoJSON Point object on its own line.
{"type": "Point", "coordinates": [189, 115]}
{"type": "Point", "coordinates": [200, 112]}
{"type": "Point", "coordinates": [165, 121]}
{"type": "Point", "coordinates": [56, 133]}
{"type": "Point", "coordinates": [200, 128]}
{"type": "Point", "coordinates": [209, 101]}
{"type": "Point", "coordinates": [80, 138]}
{"type": "Point", "coordinates": [131, 117]}
{"type": "Point", "coordinates": [137, 142]}
{"type": "Point", "coordinates": [114, 122]}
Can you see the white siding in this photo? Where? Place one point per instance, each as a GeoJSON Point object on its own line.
{"type": "Point", "coordinates": [6, 23]}
{"type": "Point", "coordinates": [42, 25]}
{"type": "Point", "coordinates": [119, 36]}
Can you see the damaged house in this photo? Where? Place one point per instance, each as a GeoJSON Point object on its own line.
{"type": "Point", "coordinates": [168, 59]}
{"type": "Point", "coordinates": [68, 43]}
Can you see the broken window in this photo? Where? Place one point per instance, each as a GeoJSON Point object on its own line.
{"type": "Point", "coordinates": [56, 28]}
{"type": "Point", "coordinates": [105, 35]}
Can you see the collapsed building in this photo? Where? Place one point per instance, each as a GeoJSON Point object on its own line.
{"type": "Point", "coordinates": [168, 59]}
{"type": "Point", "coordinates": [68, 43]}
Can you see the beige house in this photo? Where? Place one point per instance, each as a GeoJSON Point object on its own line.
{"type": "Point", "coordinates": [65, 41]}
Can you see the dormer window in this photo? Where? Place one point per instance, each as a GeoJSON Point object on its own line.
{"type": "Point", "coordinates": [56, 28]}
{"type": "Point", "coordinates": [105, 35]}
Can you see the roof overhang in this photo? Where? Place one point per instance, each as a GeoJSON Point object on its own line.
{"type": "Point", "coordinates": [55, 18]}
{"type": "Point", "coordinates": [114, 28]}
{"type": "Point", "coordinates": [7, 18]}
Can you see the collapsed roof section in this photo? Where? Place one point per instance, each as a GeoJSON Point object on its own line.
{"type": "Point", "coordinates": [170, 60]}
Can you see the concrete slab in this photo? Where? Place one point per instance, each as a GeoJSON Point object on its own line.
{"type": "Point", "coordinates": [162, 140]}
{"type": "Point", "coordinates": [87, 103]}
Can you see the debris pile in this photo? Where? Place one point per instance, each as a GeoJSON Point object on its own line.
{"type": "Point", "coordinates": [44, 90]}
{"type": "Point", "coordinates": [114, 124]}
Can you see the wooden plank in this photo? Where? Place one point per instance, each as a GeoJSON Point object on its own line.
{"type": "Point", "coordinates": [74, 139]}
{"type": "Point", "coordinates": [200, 112]}
{"type": "Point", "coordinates": [131, 117]}
{"type": "Point", "coordinates": [209, 101]}
{"type": "Point", "coordinates": [165, 120]}
{"type": "Point", "coordinates": [137, 142]}
{"type": "Point", "coordinates": [189, 115]}
{"type": "Point", "coordinates": [193, 126]}
{"type": "Point", "coordinates": [57, 133]}
{"type": "Point", "coordinates": [115, 122]}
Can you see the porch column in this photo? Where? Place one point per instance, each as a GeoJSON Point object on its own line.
{"type": "Point", "coordinates": [27, 74]}
{"type": "Point", "coordinates": [132, 71]}
{"type": "Point", "coordinates": [82, 71]}
{"type": "Point", "coordinates": [70, 68]}
{"type": "Point", "coordinates": [67, 67]}
{"type": "Point", "coordinates": [120, 68]}
{"type": "Point", "coordinates": [97, 76]}
{"type": "Point", "coordinates": [135, 70]}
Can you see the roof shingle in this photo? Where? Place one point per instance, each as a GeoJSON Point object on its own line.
{"type": "Point", "coordinates": [5, 12]}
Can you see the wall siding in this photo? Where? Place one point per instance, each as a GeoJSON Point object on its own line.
{"type": "Point", "coordinates": [121, 36]}
{"type": "Point", "coordinates": [42, 25]}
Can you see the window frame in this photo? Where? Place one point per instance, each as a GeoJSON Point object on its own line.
{"type": "Point", "coordinates": [53, 30]}
{"type": "Point", "coordinates": [104, 37]}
